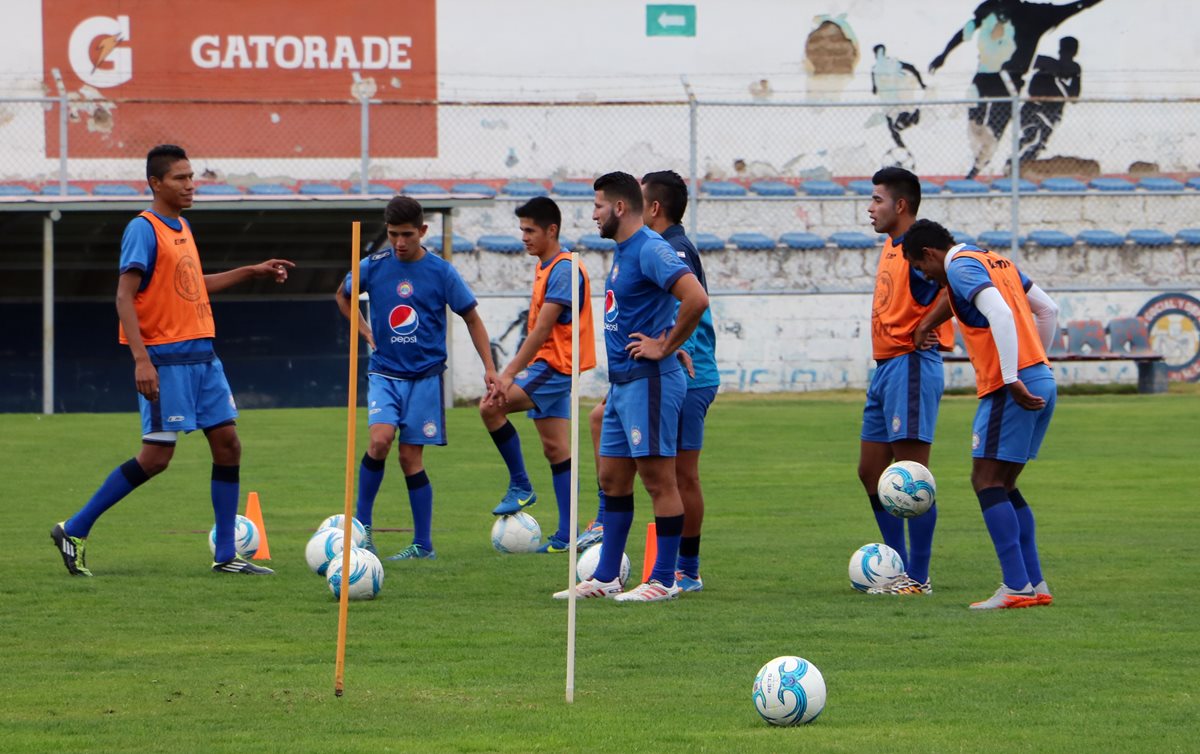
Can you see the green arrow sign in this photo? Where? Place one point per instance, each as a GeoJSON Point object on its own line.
{"type": "Point", "coordinates": [670, 20]}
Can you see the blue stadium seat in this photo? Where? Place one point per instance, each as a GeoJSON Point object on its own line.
{"type": "Point", "coordinates": [269, 189]}
{"type": "Point", "coordinates": [417, 189]}
{"type": "Point", "coordinates": [802, 241]}
{"type": "Point", "coordinates": [773, 188]}
{"type": "Point", "coordinates": [524, 189]}
{"type": "Point", "coordinates": [572, 188]}
{"type": "Point", "coordinates": [822, 188]}
{"type": "Point", "coordinates": [433, 241]}
{"type": "Point", "coordinates": [962, 237]}
{"type": "Point", "coordinates": [752, 241]}
{"type": "Point", "coordinates": [1194, 182]}
{"type": "Point", "coordinates": [1063, 185]}
{"type": "Point", "coordinates": [473, 188]}
{"type": "Point", "coordinates": [1086, 337]}
{"type": "Point", "coordinates": [218, 189]}
{"type": "Point", "coordinates": [15, 190]}
{"type": "Point", "coordinates": [863, 187]}
{"type": "Point", "coordinates": [1129, 335]}
{"type": "Point", "coordinates": [998, 240]}
{"type": "Point", "coordinates": [853, 240]}
{"type": "Point", "coordinates": [1110, 184]}
{"type": "Point", "coordinates": [380, 189]}
{"type": "Point", "coordinates": [965, 186]}
{"type": "Point", "coordinates": [566, 244]}
{"type": "Point", "coordinates": [53, 189]}
{"type": "Point", "coordinates": [1150, 237]}
{"type": "Point", "coordinates": [114, 189]}
{"type": "Point", "coordinates": [500, 244]}
{"type": "Point", "coordinates": [1051, 238]}
{"type": "Point", "coordinates": [929, 188]}
{"type": "Point", "coordinates": [596, 242]}
{"type": "Point", "coordinates": [1190, 236]}
{"type": "Point", "coordinates": [709, 242]}
{"type": "Point", "coordinates": [722, 188]}
{"type": "Point", "coordinates": [320, 189]}
{"type": "Point", "coordinates": [1102, 238]}
{"type": "Point", "coordinates": [1160, 184]}
{"type": "Point", "coordinates": [1004, 185]}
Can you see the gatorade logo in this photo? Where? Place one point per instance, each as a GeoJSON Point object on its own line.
{"type": "Point", "coordinates": [99, 52]}
{"type": "Point", "coordinates": [403, 320]}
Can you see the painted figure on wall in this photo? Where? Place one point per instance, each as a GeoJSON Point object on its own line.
{"type": "Point", "coordinates": [1057, 79]}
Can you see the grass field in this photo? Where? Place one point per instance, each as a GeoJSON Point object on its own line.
{"type": "Point", "coordinates": [466, 654]}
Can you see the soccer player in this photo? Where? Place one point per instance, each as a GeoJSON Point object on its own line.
{"type": "Point", "coordinates": [409, 290]}
{"type": "Point", "coordinates": [1007, 323]}
{"type": "Point", "coordinates": [909, 323]}
{"type": "Point", "coordinates": [665, 197]}
{"type": "Point", "coordinates": [166, 320]}
{"type": "Point", "coordinates": [642, 331]}
{"type": "Point", "coordinates": [538, 378]}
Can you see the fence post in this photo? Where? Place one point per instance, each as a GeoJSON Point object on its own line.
{"type": "Point", "coordinates": [48, 312]}
{"type": "Point", "coordinates": [1014, 176]}
{"type": "Point", "coordinates": [365, 135]}
{"type": "Point", "coordinates": [62, 143]}
{"type": "Point", "coordinates": [693, 152]}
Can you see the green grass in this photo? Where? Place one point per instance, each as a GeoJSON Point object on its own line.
{"type": "Point", "coordinates": [466, 654]}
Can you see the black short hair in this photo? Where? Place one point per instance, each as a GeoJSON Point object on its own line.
{"type": "Point", "coordinates": [902, 184]}
{"type": "Point", "coordinates": [542, 210]}
{"type": "Point", "coordinates": [160, 159]}
{"type": "Point", "coordinates": [620, 186]}
{"type": "Point", "coordinates": [668, 189]}
{"type": "Point", "coordinates": [1068, 46]}
{"type": "Point", "coordinates": [926, 234]}
{"type": "Point", "coordinates": [404, 210]}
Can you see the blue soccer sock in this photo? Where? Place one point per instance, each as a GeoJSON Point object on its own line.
{"type": "Point", "coordinates": [668, 530]}
{"type": "Point", "coordinates": [420, 499]}
{"type": "Point", "coordinates": [1002, 525]}
{"type": "Point", "coordinates": [370, 476]}
{"type": "Point", "coordinates": [890, 527]}
{"type": "Point", "coordinates": [508, 442]}
{"type": "Point", "coordinates": [225, 480]}
{"type": "Point", "coordinates": [920, 544]}
{"type": "Point", "coordinates": [1033, 564]}
{"type": "Point", "coordinates": [600, 508]}
{"type": "Point", "coordinates": [618, 520]}
{"type": "Point", "coordinates": [689, 556]}
{"type": "Point", "coordinates": [560, 475]}
{"type": "Point", "coordinates": [120, 482]}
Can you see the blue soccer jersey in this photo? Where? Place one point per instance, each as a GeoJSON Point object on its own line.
{"type": "Point", "coordinates": [408, 312]}
{"type": "Point", "coordinates": [967, 277]}
{"type": "Point", "coordinates": [637, 299]}
{"type": "Point", "coordinates": [702, 344]}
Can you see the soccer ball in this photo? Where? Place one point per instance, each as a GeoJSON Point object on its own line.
{"type": "Point", "coordinates": [590, 558]}
{"type": "Point", "coordinates": [874, 565]}
{"type": "Point", "coordinates": [245, 538]}
{"type": "Point", "coordinates": [906, 489]}
{"type": "Point", "coordinates": [789, 691]}
{"type": "Point", "coordinates": [357, 532]}
{"type": "Point", "coordinates": [365, 580]}
{"type": "Point", "coordinates": [516, 533]}
{"type": "Point", "coordinates": [322, 547]}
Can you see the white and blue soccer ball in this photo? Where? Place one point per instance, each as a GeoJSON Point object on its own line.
{"type": "Point", "coordinates": [907, 489]}
{"type": "Point", "coordinates": [364, 581]}
{"type": "Point", "coordinates": [789, 691]}
{"type": "Point", "coordinates": [874, 565]}
{"type": "Point", "coordinates": [357, 531]}
{"type": "Point", "coordinates": [245, 538]}
{"type": "Point", "coordinates": [323, 547]}
{"type": "Point", "coordinates": [516, 533]}
{"type": "Point", "coordinates": [590, 559]}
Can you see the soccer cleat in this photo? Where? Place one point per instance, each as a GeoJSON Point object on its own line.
{"type": "Point", "coordinates": [1043, 594]}
{"type": "Point", "coordinates": [369, 542]}
{"type": "Point", "coordinates": [1006, 598]}
{"type": "Point", "coordinates": [903, 585]}
{"type": "Point", "coordinates": [240, 565]}
{"type": "Point", "coordinates": [71, 548]}
{"type": "Point", "coordinates": [590, 589]}
{"type": "Point", "coordinates": [592, 535]}
{"type": "Point", "coordinates": [514, 500]}
{"type": "Point", "coordinates": [554, 544]}
{"type": "Point", "coordinates": [414, 552]}
{"type": "Point", "coordinates": [651, 591]}
{"type": "Point", "coordinates": [687, 583]}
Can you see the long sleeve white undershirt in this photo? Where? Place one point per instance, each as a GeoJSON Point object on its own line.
{"type": "Point", "coordinates": [992, 305]}
{"type": "Point", "coordinates": [1045, 315]}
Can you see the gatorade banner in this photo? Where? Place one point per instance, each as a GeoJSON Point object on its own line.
{"type": "Point", "coordinates": [224, 78]}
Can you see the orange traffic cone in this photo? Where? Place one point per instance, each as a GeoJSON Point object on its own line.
{"type": "Point", "coordinates": [254, 513]}
{"type": "Point", "coordinates": [651, 551]}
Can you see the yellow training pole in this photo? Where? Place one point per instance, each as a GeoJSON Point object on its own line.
{"type": "Point", "coordinates": [351, 416]}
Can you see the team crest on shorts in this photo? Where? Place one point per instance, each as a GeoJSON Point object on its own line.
{"type": "Point", "coordinates": [974, 441]}
{"type": "Point", "coordinates": [522, 374]}
{"type": "Point", "coordinates": [896, 423]}
{"type": "Point", "coordinates": [404, 289]}
{"type": "Point", "coordinates": [429, 429]}
{"type": "Point", "coordinates": [635, 436]}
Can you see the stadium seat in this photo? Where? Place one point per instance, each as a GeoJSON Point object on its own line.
{"type": "Point", "coordinates": [418, 189]}
{"type": "Point", "coordinates": [822, 188]}
{"type": "Point", "coordinates": [998, 240]}
{"type": "Point", "coordinates": [929, 188]}
{"type": "Point", "coordinates": [461, 243]}
{"type": "Point", "coordinates": [269, 189]}
{"type": "Point", "coordinates": [1101, 238]}
{"type": "Point", "coordinates": [962, 237]}
{"type": "Point", "coordinates": [1110, 184]}
{"type": "Point", "coordinates": [114, 189]}
{"type": "Point", "coordinates": [596, 242]}
{"type": "Point", "coordinates": [1058, 346]}
{"type": "Point", "coordinates": [53, 189]}
{"type": "Point", "coordinates": [1152, 183]}
{"type": "Point", "coordinates": [1004, 185]}
{"type": "Point", "coordinates": [1051, 238]}
{"type": "Point", "coordinates": [572, 188]}
{"type": "Point", "coordinates": [863, 187]}
{"type": "Point", "coordinates": [1085, 337]}
{"type": "Point", "coordinates": [773, 188]}
{"type": "Point", "coordinates": [1129, 335]}
{"type": "Point", "coordinates": [381, 189]}
{"type": "Point", "coordinates": [752, 241]}
{"type": "Point", "coordinates": [965, 186]}
{"type": "Point", "coordinates": [524, 189]}
{"type": "Point", "coordinates": [218, 189]}
{"type": "Point", "coordinates": [566, 244]}
{"type": "Point", "coordinates": [1063, 185]}
{"type": "Point", "coordinates": [801, 241]}
{"type": "Point", "coordinates": [1190, 236]}
{"type": "Point", "coordinates": [1194, 182]}
{"type": "Point", "coordinates": [722, 188]}
{"type": "Point", "coordinates": [473, 188]}
{"type": "Point", "coordinates": [853, 240]}
{"type": "Point", "coordinates": [320, 189]}
{"type": "Point", "coordinates": [500, 244]}
{"type": "Point", "coordinates": [709, 242]}
{"type": "Point", "coordinates": [15, 190]}
{"type": "Point", "coordinates": [1150, 237]}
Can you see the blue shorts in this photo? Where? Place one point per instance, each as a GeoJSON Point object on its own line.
{"type": "Point", "coordinates": [414, 407]}
{"type": "Point", "coordinates": [691, 417]}
{"type": "Point", "coordinates": [1004, 431]}
{"type": "Point", "coordinates": [190, 397]}
{"type": "Point", "coordinates": [902, 400]}
{"type": "Point", "coordinates": [641, 418]}
{"type": "Point", "coordinates": [548, 388]}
